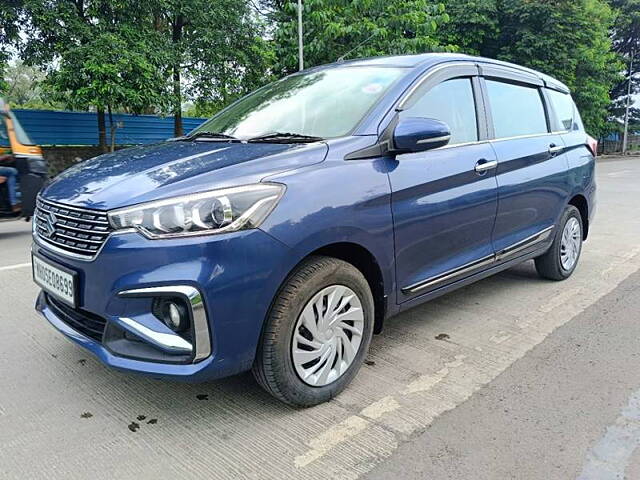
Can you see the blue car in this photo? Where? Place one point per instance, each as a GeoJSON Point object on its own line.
{"type": "Point", "coordinates": [281, 234]}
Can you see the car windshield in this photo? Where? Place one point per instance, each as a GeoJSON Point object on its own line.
{"type": "Point", "coordinates": [327, 103]}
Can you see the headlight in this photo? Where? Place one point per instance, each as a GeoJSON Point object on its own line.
{"type": "Point", "coordinates": [217, 211]}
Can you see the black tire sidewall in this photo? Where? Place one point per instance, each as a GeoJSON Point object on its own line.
{"type": "Point", "coordinates": [332, 272]}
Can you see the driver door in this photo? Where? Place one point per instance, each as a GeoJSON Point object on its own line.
{"type": "Point", "coordinates": [444, 200]}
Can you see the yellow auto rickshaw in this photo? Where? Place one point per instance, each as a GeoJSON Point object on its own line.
{"type": "Point", "coordinates": [23, 170]}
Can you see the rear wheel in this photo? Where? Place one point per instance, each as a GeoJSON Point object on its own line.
{"type": "Point", "coordinates": [561, 259]}
{"type": "Point", "coordinates": [317, 333]}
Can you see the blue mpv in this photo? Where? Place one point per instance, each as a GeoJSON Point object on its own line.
{"type": "Point", "coordinates": [279, 235]}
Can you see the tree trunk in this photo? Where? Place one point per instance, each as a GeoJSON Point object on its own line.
{"type": "Point", "coordinates": [112, 128]}
{"type": "Point", "coordinates": [176, 37]}
{"type": "Point", "coordinates": [177, 113]}
{"type": "Point", "coordinates": [102, 130]}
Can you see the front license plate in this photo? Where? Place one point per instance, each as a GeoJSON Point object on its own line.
{"type": "Point", "coordinates": [55, 280]}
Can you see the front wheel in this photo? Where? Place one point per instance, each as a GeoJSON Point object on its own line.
{"type": "Point", "coordinates": [317, 333]}
{"type": "Point", "coordinates": [561, 259]}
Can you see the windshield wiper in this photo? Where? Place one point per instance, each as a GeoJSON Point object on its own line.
{"type": "Point", "coordinates": [285, 137]}
{"type": "Point", "coordinates": [209, 136]}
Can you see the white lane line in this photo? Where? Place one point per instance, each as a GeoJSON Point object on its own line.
{"type": "Point", "coordinates": [609, 458]}
{"type": "Point", "coordinates": [426, 382]}
{"type": "Point", "coordinates": [15, 267]}
{"type": "Point", "coordinates": [332, 437]}
{"type": "Point", "coordinates": [355, 424]}
{"type": "Point", "coordinates": [455, 382]}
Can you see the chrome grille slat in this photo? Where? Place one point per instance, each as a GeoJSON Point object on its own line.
{"type": "Point", "coordinates": [73, 217]}
{"type": "Point", "coordinates": [73, 230]}
{"type": "Point", "coordinates": [64, 246]}
{"type": "Point", "coordinates": [79, 239]}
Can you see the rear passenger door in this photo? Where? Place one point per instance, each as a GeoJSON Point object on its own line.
{"type": "Point", "coordinates": [532, 166]}
{"type": "Point", "coordinates": [566, 120]}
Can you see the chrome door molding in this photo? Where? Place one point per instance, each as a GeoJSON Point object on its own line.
{"type": "Point", "coordinates": [449, 275]}
{"type": "Point", "coordinates": [473, 267]}
{"type": "Point", "coordinates": [511, 250]}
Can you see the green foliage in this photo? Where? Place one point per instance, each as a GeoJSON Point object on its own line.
{"type": "Point", "coordinates": [219, 47]}
{"type": "Point", "coordinates": [110, 71]}
{"type": "Point", "coordinates": [474, 25]}
{"type": "Point", "coordinates": [359, 28]}
{"type": "Point", "coordinates": [156, 55]}
{"type": "Point", "coordinates": [4, 85]}
{"type": "Point", "coordinates": [568, 39]}
{"type": "Point", "coordinates": [9, 33]}
{"type": "Point", "coordinates": [144, 55]}
{"type": "Point", "coordinates": [626, 41]}
{"type": "Point", "coordinates": [24, 87]}
{"type": "Point", "coordinates": [96, 53]}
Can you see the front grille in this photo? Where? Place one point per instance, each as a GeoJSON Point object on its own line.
{"type": "Point", "coordinates": [88, 324]}
{"type": "Point", "coordinates": [78, 231]}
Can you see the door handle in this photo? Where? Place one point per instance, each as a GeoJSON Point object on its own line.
{"type": "Point", "coordinates": [484, 166]}
{"type": "Point", "coordinates": [555, 149]}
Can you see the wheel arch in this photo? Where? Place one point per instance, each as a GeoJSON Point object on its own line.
{"type": "Point", "coordinates": [580, 202]}
{"type": "Point", "coordinates": [361, 258]}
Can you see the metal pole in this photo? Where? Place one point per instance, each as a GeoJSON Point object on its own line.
{"type": "Point", "coordinates": [300, 47]}
{"type": "Point", "coordinates": [625, 134]}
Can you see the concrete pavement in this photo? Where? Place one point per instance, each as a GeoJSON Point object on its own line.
{"type": "Point", "coordinates": [64, 415]}
{"type": "Point", "coordinates": [570, 408]}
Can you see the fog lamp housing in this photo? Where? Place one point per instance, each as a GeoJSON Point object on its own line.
{"type": "Point", "coordinates": [173, 313]}
{"type": "Point", "coordinates": [188, 315]}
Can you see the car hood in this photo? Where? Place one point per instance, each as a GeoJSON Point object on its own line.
{"type": "Point", "coordinates": [151, 172]}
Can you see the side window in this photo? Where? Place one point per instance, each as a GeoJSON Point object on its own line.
{"type": "Point", "coordinates": [516, 109]}
{"type": "Point", "coordinates": [563, 107]}
{"type": "Point", "coordinates": [451, 102]}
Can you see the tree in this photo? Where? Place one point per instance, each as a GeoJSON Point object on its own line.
{"type": "Point", "coordinates": [626, 42]}
{"type": "Point", "coordinates": [111, 71]}
{"type": "Point", "coordinates": [568, 39]}
{"type": "Point", "coordinates": [216, 45]}
{"type": "Point", "coordinates": [95, 52]}
{"type": "Point", "coordinates": [9, 33]}
{"type": "Point", "coordinates": [473, 27]}
{"type": "Point", "coordinates": [335, 29]}
{"type": "Point", "coordinates": [24, 87]}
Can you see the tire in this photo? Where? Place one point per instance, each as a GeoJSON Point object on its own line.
{"type": "Point", "coordinates": [275, 368]}
{"type": "Point", "coordinates": [551, 264]}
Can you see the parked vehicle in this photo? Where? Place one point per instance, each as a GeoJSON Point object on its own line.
{"type": "Point", "coordinates": [22, 159]}
{"type": "Point", "coordinates": [280, 234]}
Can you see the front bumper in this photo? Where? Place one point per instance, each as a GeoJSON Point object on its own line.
{"type": "Point", "coordinates": [237, 275]}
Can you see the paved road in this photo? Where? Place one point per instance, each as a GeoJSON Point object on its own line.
{"type": "Point", "coordinates": [533, 379]}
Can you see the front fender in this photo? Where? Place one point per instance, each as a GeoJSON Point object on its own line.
{"type": "Point", "coordinates": [334, 202]}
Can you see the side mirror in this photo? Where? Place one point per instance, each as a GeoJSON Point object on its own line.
{"type": "Point", "coordinates": [416, 134]}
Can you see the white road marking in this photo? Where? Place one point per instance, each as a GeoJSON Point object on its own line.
{"type": "Point", "coordinates": [427, 382]}
{"type": "Point", "coordinates": [15, 267]}
{"type": "Point", "coordinates": [620, 173]}
{"type": "Point", "coordinates": [378, 409]}
{"type": "Point", "coordinates": [610, 456]}
{"type": "Point", "coordinates": [422, 400]}
{"type": "Point", "coordinates": [355, 424]}
{"type": "Point", "coordinates": [330, 438]}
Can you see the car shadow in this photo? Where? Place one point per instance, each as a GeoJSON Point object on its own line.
{"type": "Point", "coordinates": [143, 399]}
